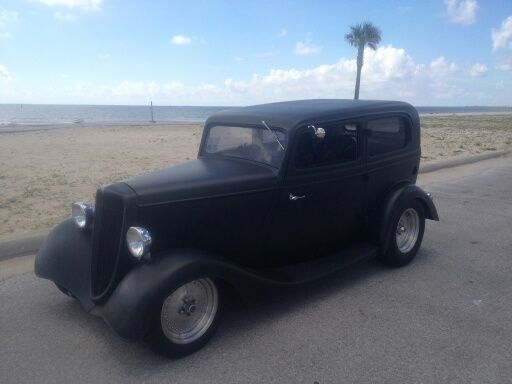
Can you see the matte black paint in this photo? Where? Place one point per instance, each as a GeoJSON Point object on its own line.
{"type": "Point", "coordinates": [201, 178]}
{"type": "Point", "coordinates": [233, 219]}
{"type": "Point", "coordinates": [129, 307]}
{"type": "Point", "coordinates": [65, 258]}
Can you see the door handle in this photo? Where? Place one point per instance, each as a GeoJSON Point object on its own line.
{"type": "Point", "coordinates": [295, 197]}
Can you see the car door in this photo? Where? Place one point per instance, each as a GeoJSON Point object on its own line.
{"type": "Point", "coordinates": [321, 203]}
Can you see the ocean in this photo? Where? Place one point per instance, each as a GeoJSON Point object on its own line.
{"type": "Point", "coordinates": [38, 114]}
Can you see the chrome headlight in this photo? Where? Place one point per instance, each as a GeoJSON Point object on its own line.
{"type": "Point", "coordinates": [83, 214]}
{"type": "Point", "coordinates": [138, 241]}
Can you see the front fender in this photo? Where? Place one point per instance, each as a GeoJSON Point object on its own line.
{"type": "Point", "coordinates": [130, 308]}
{"type": "Point", "coordinates": [65, 259]}
{"type": "Point", "coordinates": [394, 199]}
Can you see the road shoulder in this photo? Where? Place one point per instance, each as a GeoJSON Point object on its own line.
{"type": "Point", "coordinates": [16, 266]}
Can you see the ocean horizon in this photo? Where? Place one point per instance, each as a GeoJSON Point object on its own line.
{"type": "Point", "coordinates": [47, 114]}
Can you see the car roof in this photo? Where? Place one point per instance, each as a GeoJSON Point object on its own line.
{"type": "Point", "coordinates": [290, 114]}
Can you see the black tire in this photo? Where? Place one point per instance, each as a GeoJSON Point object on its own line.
{"type": "Point", "coordinates": [64, 291]}
{"type": "Point", "coordinates": [394, 257]}
{"type": "Point", "coordinates": [162, 344]}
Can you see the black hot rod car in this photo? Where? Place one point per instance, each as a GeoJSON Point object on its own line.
{"type": "Point", "coordinates": [279, 195]}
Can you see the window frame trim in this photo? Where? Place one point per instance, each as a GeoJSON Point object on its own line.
{"type": "Point", "coordinates": [205, 154]}
{"type": "Point", "coordinates": [408, 139]}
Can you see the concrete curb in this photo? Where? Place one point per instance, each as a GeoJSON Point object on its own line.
{"type": "Point", "coordinates": [436, 165]}
{"type": "Point", "coordinates": [24, 245]}
{"type": "Point", "coordinates": [21, 245]}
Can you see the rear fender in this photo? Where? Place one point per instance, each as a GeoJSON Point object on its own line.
{"type": "Point", "coordinates": [393, 201]}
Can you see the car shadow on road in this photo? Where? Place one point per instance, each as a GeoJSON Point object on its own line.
{"type": "Point", "coordinates": [244, 314]}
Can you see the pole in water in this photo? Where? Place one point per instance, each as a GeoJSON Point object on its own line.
{"type": "Point", "coordinates": [152, 119]}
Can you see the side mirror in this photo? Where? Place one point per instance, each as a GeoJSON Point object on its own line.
{"type": "Point", "coordinates": [319, 132]}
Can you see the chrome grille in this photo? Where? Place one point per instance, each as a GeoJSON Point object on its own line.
{"type": "Point", "coordinates": [106, 239]}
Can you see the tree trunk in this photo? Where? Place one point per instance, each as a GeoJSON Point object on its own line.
{"type": "Point", "coordinates": [360, 53]}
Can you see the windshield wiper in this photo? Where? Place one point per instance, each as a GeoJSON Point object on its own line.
{"type": "Point", "coordinates": [273, 134]}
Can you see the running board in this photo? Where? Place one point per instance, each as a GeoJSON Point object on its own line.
{"type": "Point", "coordinates": [318, 268]}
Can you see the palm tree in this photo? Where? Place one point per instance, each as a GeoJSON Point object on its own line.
{"type": "Point", "coordinates": [361, 35]}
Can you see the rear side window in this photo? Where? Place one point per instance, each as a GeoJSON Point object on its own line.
{"type": "Point", "coordinates": [387, 135]}
{"type": "Point", "coordinates": [339, 145]}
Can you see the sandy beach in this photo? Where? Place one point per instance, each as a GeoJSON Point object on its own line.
{"type": "Point", "coordinates": [43, 171]}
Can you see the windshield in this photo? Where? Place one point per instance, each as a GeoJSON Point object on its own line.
{"type": "Point", "coordinates": [250, 143]}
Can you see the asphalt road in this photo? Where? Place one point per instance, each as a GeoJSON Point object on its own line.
{"type": "Point", "coordinates": [446, 318]}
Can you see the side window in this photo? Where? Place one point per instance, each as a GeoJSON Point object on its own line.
{"type": "Point", "coordinates": [387, 135]}
{"type": "Point", "coordinates": [340, 144]}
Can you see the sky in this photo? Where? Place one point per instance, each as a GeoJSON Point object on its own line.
{"type": "Point", "coordinates": [433, 52]}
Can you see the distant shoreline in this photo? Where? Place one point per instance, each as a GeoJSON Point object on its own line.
{"type": "Point", "coordinates": [433, 114]}
{"type": "Point", "coordinates": [17, 128]}
{"type": "Point", "coordinates": [30, 117]}
{"type": "Point", "coordinates": [26, 127]}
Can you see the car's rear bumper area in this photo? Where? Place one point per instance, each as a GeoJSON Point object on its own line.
{"type": "Point", "coordinates": [65, 259]}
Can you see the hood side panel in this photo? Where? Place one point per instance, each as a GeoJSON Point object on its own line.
{"type": "Point", "coordinates": [201, 178]}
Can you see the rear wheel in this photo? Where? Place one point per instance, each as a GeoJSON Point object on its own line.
{"type": "Point", "coordinates": [406, 234]}
{"type": "Point", "coordinates": [186, 318]}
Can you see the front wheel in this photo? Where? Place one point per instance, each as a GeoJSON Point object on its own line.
{"type": "Point", "coordinates": [186, 318]}
{"type": "Point", "coordinates": [64, 291]}
{"type": "Point", "coordinates": [407, 228]}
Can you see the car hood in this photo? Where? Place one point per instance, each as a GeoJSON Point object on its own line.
{"type": "Point", "coordinates": [201, 178]}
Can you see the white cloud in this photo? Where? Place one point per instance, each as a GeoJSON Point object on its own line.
{"type": "Point", "coordinates": [461, 11]}
{"type": "Point", "coordinates": [388, 73]}
{"type": "Point", "coordinates": [477, 70]}
{"type": "Point", "coordinates": [7, 17]}
{"type": "Point", "coordinates": [5, 35]}
{"type": "Point", "coordinates": [502, 45]}
{"type": "Point", "coordinates": [104, 56]}
{"type": "Point", "coordinates": [283, 32]}
{"type": "Point", "coordinates": [442, 67]}
{"type": "Point", "coordinates": [5, 76]}
{"type": "Point", "coordinates": [239, 59]}
{"type": "Point", "coordinates": [390, 63]}
{"type": "Point", "coordinates": [504, 65]}
{"type": "Point", "coordinates": [65, 16]}
{"type": "Point", "coordinates": [306, 48]}
{"type": "Point", "coordinates": [502, 37]}
{"type": "Point", "coordinates": [181, 40]}
{"type": "Point", "coordinates": [84, 5]}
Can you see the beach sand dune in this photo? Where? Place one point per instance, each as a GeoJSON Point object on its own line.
{"type": "Point", "coordinates": [43, 172]}
{"type": "Point", "coordinates": [455, 135]}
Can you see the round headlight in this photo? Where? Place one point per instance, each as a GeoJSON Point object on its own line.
{"type": "Point", "coordinates": [138, 240]}
{"type": "Point", "coordinates": [82, 213]}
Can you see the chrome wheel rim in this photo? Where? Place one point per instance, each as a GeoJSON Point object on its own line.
{"type": "Point", "coordinates": [407, 230]}
{"type": "Point", "coordinates": [189, 311]}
